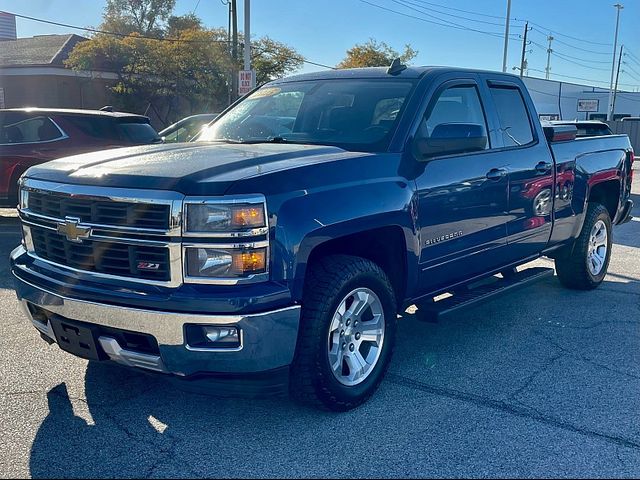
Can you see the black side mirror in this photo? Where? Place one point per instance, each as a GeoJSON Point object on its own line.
{"type": "Point", "coordinates": [451, 138]}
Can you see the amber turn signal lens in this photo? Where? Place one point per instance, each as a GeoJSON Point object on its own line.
{"type": "Point", "coordinates": [248, 216]}
{"type": "Point", "coordinates": [254, 261]}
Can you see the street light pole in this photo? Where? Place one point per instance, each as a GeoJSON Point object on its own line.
{"type": "Point", "coordinates": [613, 63]}
{"type": "Point", "coordinates": [506, 37]}
{"type": "Point", "coordinates": [247, 35]}
{"type": "Point", "coordinates": [234, 50]}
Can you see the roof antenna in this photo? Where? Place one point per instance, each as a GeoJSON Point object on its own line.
{"type": "Point", "coordinates": [396, 67]}
{"type": "Point", "coordinates": [107, 108]}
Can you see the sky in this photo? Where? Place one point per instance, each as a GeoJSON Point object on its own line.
{"type": "Point", "coordinates": [322, 31]}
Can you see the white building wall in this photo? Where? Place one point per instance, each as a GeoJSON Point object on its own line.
{"type": "Point", "coordinates": [561, 99]}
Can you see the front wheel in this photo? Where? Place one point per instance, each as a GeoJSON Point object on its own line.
{"type": "Point", "coordinates": [347, 333]}
{"type": "Point", "coordinates": [586, 266]}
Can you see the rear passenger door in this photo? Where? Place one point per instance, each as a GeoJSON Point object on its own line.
{"type": "Point", "coordinates": [530, 166]}
{"type": "Point", "coordinates": [462, 198]}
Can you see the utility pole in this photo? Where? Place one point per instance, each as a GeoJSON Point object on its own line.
{"type": "Point", "coordinates": [234, 50]}
{"type": "Point", "coordinates": [613, 64]}
{"type": "Point", "coordinates": [230, 91]}
{"type": "Point", "coordinates": [506, 37]}
{"type": "Point", "coordinates": [523, 62]}
{"type": "Point", "coordinates": [247, 35]}
{"type": "Point", "coordinates": [549, 52]}
{"type": "Point", "coordinates": [615, 90]}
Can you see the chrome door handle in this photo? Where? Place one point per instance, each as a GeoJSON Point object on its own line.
{"type": "Point", "coordinates": [543, 167]}
{"type": "Point", "coordinates": [496, 173]}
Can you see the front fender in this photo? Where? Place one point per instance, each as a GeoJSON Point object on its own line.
{"type": "Point", "coordinates": [307, 221]}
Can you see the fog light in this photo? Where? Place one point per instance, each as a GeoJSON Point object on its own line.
{"type": "Point", "coordinates": [222, 334]}
{"type": "Point", "coordinates": [209, 336]}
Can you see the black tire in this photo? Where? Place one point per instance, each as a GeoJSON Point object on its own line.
{"type": "Point", "coordinates": [572, 269]}
{"type": "Point", "coordinates": [328, 282]}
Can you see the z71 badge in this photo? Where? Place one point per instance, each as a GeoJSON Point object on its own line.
{"type": "Point", "coordinates": [442, 238]}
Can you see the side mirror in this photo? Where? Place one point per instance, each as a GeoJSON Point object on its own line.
{"type": "Point", "coordinates": [451, 138]}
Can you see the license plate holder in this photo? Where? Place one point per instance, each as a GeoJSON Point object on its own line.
{"type": "Point", "coordinates": [76, 338]}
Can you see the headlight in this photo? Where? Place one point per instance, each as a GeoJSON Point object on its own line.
{"type": "Point", "coordinates": [202, 218]}
{"type": "Point", "coordinates": [211, 262]}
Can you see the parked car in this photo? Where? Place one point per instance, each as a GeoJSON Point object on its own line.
{"type": "Point", "coordinates": [587, 128]}
{"type": "Point", "coordinates": [186, 129]}
{"type": "Point", "coordinates": [278, 249]}
{"type": "Point", "coordinates": [30, 136]}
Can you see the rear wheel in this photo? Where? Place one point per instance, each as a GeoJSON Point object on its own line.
{"type": "Point", "coordinates": [347, 333]}
{"type": "Point", "coordinates": [586, 266]}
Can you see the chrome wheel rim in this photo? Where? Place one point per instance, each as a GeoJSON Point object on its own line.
{"type": "Point", "coordinates": [598, 246]}
{"type": "Point", "coordinates": [356, 335]}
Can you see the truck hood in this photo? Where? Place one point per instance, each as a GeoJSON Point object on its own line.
{"type": "Point", "coordinates": [192, 168]}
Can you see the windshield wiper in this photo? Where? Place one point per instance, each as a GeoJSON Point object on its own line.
{"type": "Point", "coordinates": [276, 139]}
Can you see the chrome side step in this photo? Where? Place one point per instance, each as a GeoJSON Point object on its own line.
{"type": "Point", "coordinates": [482, 292]}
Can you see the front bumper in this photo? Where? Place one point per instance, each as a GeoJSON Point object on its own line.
{"type": "Point", "coordinates": [268, 339]}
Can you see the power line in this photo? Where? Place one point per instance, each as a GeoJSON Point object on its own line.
{"type": "Point", "coordinates": [581, 78]}
{"type": "Point", "coordinates": [418, 5]}
{"type": "Point", "coordinates": [570, 59]}
{"type": "Point", "coordinates": [146, 37]}
{"type": "Point", "coordinates": [559, 55]}
{"type": "Point", "coordinates": [569, 44]}
{"type": "Point", "coordinates": [465, 11]}
{"type": "Point", "coordinates": [114, 34]}
{"type": "Point", "coordinates": [568, 36]}
{"type": "Point", "coordinates": [449, 25]}
{"type": "Point", "coordinates": [632, 55]}
{"type": "Point", "coordinates": [629, 67]}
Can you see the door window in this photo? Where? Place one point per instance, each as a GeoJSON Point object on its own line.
{"type": "Point", "coordinates": [514, 117]}
{"type": "Point", "coordinates": [455, 105]}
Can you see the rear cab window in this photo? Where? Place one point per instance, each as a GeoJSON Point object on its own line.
{"type": "Point", "coordinates": [515, 124]}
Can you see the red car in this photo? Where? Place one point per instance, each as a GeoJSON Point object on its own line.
{"type": "Point", "coordinates": [30, 136]}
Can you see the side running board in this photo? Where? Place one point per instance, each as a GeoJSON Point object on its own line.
{"type": "Point", "coordinates": [479, 292]}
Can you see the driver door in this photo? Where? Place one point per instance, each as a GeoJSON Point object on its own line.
{"type": "Point", "coordinates": [462, 197]}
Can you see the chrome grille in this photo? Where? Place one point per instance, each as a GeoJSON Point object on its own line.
{"type": "Point", "coordinates": [107, 257]}
{"type": "Point", "coordinates": [129, 234]}
{"type": "Point", "coordinates": [95, 211]}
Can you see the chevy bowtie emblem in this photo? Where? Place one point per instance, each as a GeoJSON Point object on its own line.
{"type": "Point", "coordinates": [72, 229]}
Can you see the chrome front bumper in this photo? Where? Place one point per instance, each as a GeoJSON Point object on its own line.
{"type": "Point", "coordinates": [268, 338]}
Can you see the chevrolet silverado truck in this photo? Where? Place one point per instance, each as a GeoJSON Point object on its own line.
{"type": "Point", "coordinates": [278, 249]}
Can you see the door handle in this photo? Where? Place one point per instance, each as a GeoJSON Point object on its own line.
{"type": "Point", "coordinates": [496, 173]}
{"type": "Point", "coordinates": [543, 167]}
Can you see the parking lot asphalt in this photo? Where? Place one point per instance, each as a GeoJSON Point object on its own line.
{"type": "Point", "coordinates": [539, 382]}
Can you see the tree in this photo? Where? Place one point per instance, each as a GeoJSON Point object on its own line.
{"type": "Point", "coordinates": [146, 17]}
{"type": "Point", "coordinates": [185, 68]}
{"type": "Point", "coordinates": [375, 54]}
{"type": "Point", "coordinates": [272, 59]}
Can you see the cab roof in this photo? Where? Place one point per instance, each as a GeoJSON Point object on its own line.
{"type": "Point", "coordinates": [410, 73]}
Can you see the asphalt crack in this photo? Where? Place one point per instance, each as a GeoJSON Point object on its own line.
{"type": "Point", "coordinates": [521, 411]}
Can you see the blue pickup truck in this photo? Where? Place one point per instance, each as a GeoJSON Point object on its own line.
{"type": "Point", "coordinates": [277, 250]}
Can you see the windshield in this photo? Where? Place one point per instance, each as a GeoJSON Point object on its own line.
{"type": "Point", "coordinates": [351, 114]}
